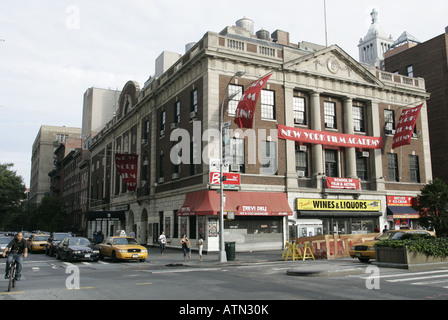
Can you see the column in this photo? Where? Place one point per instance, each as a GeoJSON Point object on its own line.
{"type": "Point", "coordinates": [376, 163]}
{"type": "Point", "coordinates": [350, 153]}
{"type": "Point", "coordinates": [291, 174]}
{"type": "Point", "coordinates": [317, 167]}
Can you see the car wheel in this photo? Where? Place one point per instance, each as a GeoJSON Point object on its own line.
{"type": "Point", "coordinates": [58, 257]}
{"type": "Point", "coordinates": [101, 255]}
{"type": "Point", "coordinates": [114, 257]}
{"type": "Point", "coordinates": [364, 259]}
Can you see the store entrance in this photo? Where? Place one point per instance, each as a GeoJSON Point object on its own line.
{"type": "Point", "coordinates": [349, 225]}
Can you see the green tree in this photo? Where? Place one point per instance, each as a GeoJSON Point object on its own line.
{"type": "Point", "coordinates": [12, 192]}
{"type": "Point", "coordinates": [433, 207]}
{"type": "Point", "coordinates": [49, 215]}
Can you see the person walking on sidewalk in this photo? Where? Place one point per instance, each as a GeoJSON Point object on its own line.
{"type": "Point", "coordinates": [200, 245]}
{"type": "Point", "coordinates": [162, 242]}
{"type": "Point", "coordinates": [185, 242]}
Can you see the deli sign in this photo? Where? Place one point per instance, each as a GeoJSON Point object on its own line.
{"type": "Point", "coordinates": [329, 138]}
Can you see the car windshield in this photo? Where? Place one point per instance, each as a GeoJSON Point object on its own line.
{"type": "Point", "coordinates": [60, 236]}
{"type": "Point", "coordinates": [78, 242]}
{"type": "Point", "coordinates": [4, 240]}
{"type": "Point", "coordinates": [391, 235]}
{"type": "Point", "coordinates": [121, 241]}
{"type": "Point", "coordinates": [40, 238]}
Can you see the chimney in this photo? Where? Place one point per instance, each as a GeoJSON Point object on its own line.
{"type": "Point", "coordinates": [281, 37]}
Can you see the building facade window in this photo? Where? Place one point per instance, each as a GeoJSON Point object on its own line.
{"type": "Point", "coordinates": [177, 112]}
{"type": "Point", "coordinates": [331, 163]}
{"type": "Point", "coordinates": [410, 71]}
{"type": "Point", "coordinates": [330, 115]}
{"type": "Point", "coordinates": [269, 159]}
{"type": "Point", "coordinates": [299, 110]}
{"type": "Point", "coordinates": [414, 168]}
{"type": "Point", "coordinates": [193, 104]}
{"type": "Point", "coordinates": [162, 123]}
{"type": "Point", "coordinates": [267, 104]}
{"type": "Point", "coordinates": [235, 94]}
{"type": "Point", "coordinates": [389, 119]}
{"type": "Point", "coordinates": [301, 163]}
{"type": "Point", "coordinates": [361, 166]}
{"type": "Point", "coordinates": [237, 155]}
{"type": "Point", "coordinates": [392, 167]}
{"type": "Point", "coordinates": [358, 119]}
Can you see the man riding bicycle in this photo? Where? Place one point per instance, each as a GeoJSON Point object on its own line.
{"type": "Point", "coordinates": [18, 250]}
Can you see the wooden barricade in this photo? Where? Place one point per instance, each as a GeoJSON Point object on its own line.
{"type": "Point", "coordinates": [296, 251]}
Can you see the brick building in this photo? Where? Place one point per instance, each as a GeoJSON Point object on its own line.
{"type": "Point", "coordinates": [321, 89]}
{"type": "Point", "coordinates": [429, 61]}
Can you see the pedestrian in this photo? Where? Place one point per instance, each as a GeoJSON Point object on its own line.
{"type": "Point", "coordinates": [200, 245]}
{"type": "Point", "coordinates": [162, 242]}
{"type": "Point", "coordinates": [185, 242]}
{"type": "Point", "coordinates": [385, 228]}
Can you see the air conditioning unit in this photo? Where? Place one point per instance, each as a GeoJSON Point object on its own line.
{"type": "Point", "coordinates": [175, 176]}
{"type": "Point", "coordinates": [365, 154]}
{"type": "Point", "coordinates": [301, 174]}
{"type": "Point", "coordinates": [174, 125]}
{"type": "Point", "coordinates": [193, 115]}
{"type": "Point", "coordinates": [161, 180]}
{"type": "Point", "coordinates": [302, 148]}
{"type": "Point", "coordinates": [298, 121]}
{"type": "Point", "coordinates": [235, 167]}
{"type": "Point", "coordinates": [162, 133]}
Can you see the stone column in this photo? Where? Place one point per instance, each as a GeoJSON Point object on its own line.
{"type": "Point", "coordinates": [376, 163]}
{"type": "Point", "coordinates": [350, 153]}
{"type": "Point", "coordinates": [291, 174]}
{"type": "Point", "coordinates": [317, 167]}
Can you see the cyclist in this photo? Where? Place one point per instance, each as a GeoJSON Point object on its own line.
{"type": "Point", "coordinates": [19, 250]}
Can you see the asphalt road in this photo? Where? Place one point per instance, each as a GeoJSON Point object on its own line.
{"type": "Point", "coordinates": [49, 279]}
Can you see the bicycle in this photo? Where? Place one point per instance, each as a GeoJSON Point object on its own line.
{"type": "Point", "coordinates": [12, 271]}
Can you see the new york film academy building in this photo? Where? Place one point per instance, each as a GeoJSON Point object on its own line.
{"type": "Point", "coordinates": [315, 187]}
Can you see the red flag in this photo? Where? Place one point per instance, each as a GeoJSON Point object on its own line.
{"type": "Point", "coordinates": [244, 114]}
{"type": "Point", "coordinates": [127, 165]}
{"type": "Point", "coordinates": [406, 125]}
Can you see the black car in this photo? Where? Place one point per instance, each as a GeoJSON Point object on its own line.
{"type": "Point", "coordinates": [53, 241]}
{"type": "Point", "coordinates": [76, 249]}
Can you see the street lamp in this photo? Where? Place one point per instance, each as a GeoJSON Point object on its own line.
{"type": "Point", "coordinates": [222, 253]}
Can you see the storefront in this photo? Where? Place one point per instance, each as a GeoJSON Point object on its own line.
{"type": "Point", "coordinates": [341, 216]}
{"type": "Point", "coordinates": [400, 213]}
{"type": "Point", "coordinates": [254, 220]}
{"type": "Point", "coordinates": [105, 221]}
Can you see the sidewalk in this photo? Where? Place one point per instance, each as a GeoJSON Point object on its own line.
{"type": "Point", "coordinates": [314, 268]}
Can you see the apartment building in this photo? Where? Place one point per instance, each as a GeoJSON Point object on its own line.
{"type": "Point", "coordinates": [275, 184]}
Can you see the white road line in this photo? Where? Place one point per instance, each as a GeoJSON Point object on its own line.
{"type": "Point", "coordinates": [397, 274]}
{"type": "Point", "coordinates": [418, 278]}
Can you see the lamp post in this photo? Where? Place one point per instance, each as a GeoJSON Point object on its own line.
{"type": "Point", "coordinates": [222, 253]}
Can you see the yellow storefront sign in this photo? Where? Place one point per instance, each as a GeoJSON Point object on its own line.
{"type": "Point", "coordinates": [338, 205]}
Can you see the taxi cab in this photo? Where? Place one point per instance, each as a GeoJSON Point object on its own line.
{"type": "Point", "coordinates": [37, 242]}
{"type": "Point", "coordinates": [366, 250]}
{"type": "Point", "coordinates": [122, 248]}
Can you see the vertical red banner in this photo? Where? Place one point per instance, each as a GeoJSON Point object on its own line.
{"type": "Point", "coordinates": [244, 114]}
{"type": "Point", "coordinates": [406, 124]}
{"type": "Point", "coordinates": [127, 165]}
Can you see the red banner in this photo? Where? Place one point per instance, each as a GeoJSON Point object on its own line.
{"type": "Point", "coordinates": [342, 183]}
{"type": "Point", "coordinates": [329, 138]}
{"type": "Point", "coordinates": [244, 114]}
{"type": "Point", "coordinates": [231, 178]}
{"type": "Point", "coordinates": [127, 165]}
{"type": "Point", "coordinates": [406, 125]}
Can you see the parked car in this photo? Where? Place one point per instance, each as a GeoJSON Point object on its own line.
{"type": "Point", "coordinates": [123, 248]}
{"type": "Point", "coordinates": [53, 241]}
{"type": "Point", "coordinates": [365, 251]}
{"type": "Point", "coordinates": [4, 241]}
{"type": "Point", "coordinates": [76, 248]}
{"type": "Point", "coordinates": [37, 242]}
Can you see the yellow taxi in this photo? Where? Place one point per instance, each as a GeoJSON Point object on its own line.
{"type": "Point", "coordinates": [366, 250]}
{"type": "Point", "coordinates": [122, 248]}
{"type": "Point", "coordinates": [37, 242]}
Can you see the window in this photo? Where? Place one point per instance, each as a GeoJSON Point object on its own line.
{"type": "Point", "coordinates": [177, 112]}
{"type": "Point", "coordinates": [161, 166]}
{"type": "Point", "coordinates": [389, 119]}
{"type": "Point", "coordinates": [331, 163]}
{"type": "Point", "coordinates": [269, 158]}
{"type": "Point", "coordinates": [61, 137]}
{"type": "Point", "coordinates": [146, 130]}
{"type": "Point", "coordinates": [235, 94]}
{"type": "Point", "coordinates": [330, 115]}
{"type": "Point", "coordinates": [194, 103]}
{"type": "Point", "coordinates": [410, 71]}
{"type": "Point", "coordinates": [237, 154]}
{"type": "Point", "coordinates": [361, 166]}
{"type": "Point", "coordinates": [358, 119]}
{"type": "Point", "coordinates": [392, 167]}
{"type": "Point", "coordinates": [267, 104]}
{"type": "Point", "coordinates": [193, 154]}
{"type": "Point", "coordinates": [162, 123]}
{"type": "Point", "coordinates": [414, 169]}
{"type": "Point", "coordinates": [302, 164]}
{"type": "Point", "coordinates": [298, 104]}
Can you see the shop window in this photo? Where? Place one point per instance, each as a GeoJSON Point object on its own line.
{"type": "Point", "coordinates": [392, 167]}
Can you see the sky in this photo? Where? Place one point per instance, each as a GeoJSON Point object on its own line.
{"type": "Point", "coordinates": [51, 51]}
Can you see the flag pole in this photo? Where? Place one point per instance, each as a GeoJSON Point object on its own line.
{"type": "Point", "coordinates": [325, 19]}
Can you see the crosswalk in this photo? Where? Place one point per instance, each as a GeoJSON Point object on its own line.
{"type": "Point", "coordinates": [437, 277]}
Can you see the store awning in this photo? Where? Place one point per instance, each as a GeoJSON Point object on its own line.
{"type": "Point", "coordinates": [402, 212]}
{"type": "Point", "coordinates": [207, 202]}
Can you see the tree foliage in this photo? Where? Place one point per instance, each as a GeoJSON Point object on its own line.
{"type": "Point", "coordinates": [12, 191]}
{"type": "Point", "coordinates": [433, 207]}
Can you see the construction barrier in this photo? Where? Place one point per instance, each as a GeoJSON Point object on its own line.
{"type": "Point", "coordinates": [296, 251]}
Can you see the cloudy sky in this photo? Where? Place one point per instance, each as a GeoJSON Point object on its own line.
{"type": "Point", "coordinates": [52, 51]}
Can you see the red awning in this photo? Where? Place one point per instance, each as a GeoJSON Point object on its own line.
{"type": "Point", "coordinates": [207, 202]}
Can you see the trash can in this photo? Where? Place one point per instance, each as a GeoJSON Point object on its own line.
{"type": "Point", "coordinates": [230, 250]}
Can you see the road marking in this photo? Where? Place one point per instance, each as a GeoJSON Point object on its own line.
{"type": "Point", "coordinates": [418, 278]}
{"type": "Point", "coordinates": [8, 293]}
{"type": "Point", "coordinates": [183, 270]}
{"type": "Point", "coordinates": [82, 288]}
{"type": "Point", "coordinates": [397, 274]}
{"type": "Point", "coordinates": [143, 283]}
